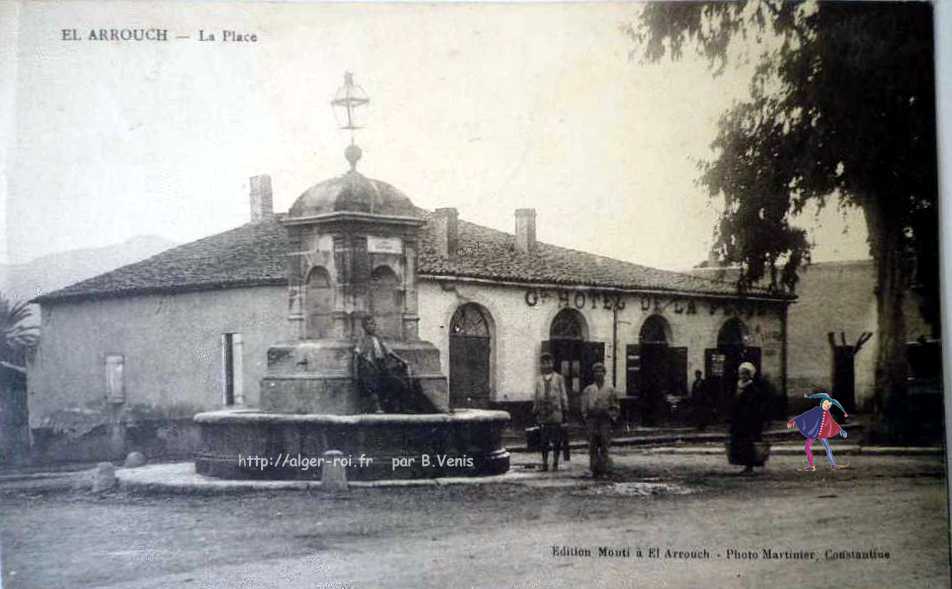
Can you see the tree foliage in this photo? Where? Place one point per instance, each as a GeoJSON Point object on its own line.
{"type": "Point", "coordinates": [841, 106]}
{"type": "Point", "coordinates": [17, 340]}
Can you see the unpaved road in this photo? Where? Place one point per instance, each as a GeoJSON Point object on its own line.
{"type": "Point", "coordinates": [501, 535]}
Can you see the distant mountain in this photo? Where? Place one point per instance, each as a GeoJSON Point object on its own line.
{"type": "Point", "coordinates": [54, 271]}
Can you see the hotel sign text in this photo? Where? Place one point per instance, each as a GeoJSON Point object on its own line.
{"type": "Point", "coordinates": [593, 299]}
{"type": "Point", "coordinates": [576, 298]}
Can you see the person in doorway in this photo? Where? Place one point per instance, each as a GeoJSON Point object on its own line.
{"type": "Point", "coordinates": [600, 411]}
{"type": "Point", "coordinates": [550, 406]}
{"type": "Point", "coordinates": [747, 421]}
{"type": "Point", "coordinates": [703, 411]}
{"type": "Point", "coordinates": [818, 424]}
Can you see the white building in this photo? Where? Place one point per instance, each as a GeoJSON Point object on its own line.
{"type": "Point", "coordinates": [139, 350]}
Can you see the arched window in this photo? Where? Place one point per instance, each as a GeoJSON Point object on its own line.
{"type": "Point", "coordinates": [573, 355]}
{"type": "Point", "coordinates": [469, 320]}
{"type": "Point", "coordinates": [654, 330]}
{"type": "Point", "coordinates": [568, 324]}
{"type": "Point", "coordinates": [732, 333]}
{"type": "Point", "coordinates": [470, 357]}
{"type": "Point", "coordinates": [319, 301]}
{"type": "Point", "coordinates": [384, 275]}
{"type": "Point", "coordinates": [386, 301]}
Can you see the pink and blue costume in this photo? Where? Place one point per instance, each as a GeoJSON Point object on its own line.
{"type": "Point", "coordinates": [818, 424]}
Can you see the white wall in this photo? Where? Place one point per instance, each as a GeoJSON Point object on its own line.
{"type": "Point", "coordinates": [171, 345]}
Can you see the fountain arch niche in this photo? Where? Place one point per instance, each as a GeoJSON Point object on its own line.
{"type": "Point", "coordinates": [352, 254]}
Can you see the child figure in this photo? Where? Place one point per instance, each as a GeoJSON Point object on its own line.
{"type": "Point", "coordinates": [817, 423]}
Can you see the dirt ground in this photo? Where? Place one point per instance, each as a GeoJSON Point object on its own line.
{"type": "Point", "coordinates": [502, 535]}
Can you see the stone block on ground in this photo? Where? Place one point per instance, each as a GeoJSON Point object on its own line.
{"type": "Point", "coordinates": [134, 460]}
{"type": "Point", "coordinates": [333, 472]}
{"type": "Point", "coordinates": [105, 477]}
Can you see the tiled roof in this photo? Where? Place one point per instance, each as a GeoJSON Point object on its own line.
{"type": "Point", "coordinates": [255, 254]}
{"type": "Point", "coordinates": [490, 254]}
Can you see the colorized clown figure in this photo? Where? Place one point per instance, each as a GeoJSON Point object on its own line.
{"type": "Point", "coordinates": [818, 424]}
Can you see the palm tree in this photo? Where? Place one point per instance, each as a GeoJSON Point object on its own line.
{"type": "Point", "coordinates": [16, 339]}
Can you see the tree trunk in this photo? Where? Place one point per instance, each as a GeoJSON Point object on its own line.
{"type": "Point", "coordinates": [887, 249]}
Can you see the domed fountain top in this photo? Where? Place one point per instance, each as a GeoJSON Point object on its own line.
{"type": "Point", "coordinates": [353, 193]}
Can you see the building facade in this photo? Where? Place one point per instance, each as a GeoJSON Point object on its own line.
{"type": "Point", "coordinates": [150, 344]}
{"type": "Point", "coordinates": [838, 298]}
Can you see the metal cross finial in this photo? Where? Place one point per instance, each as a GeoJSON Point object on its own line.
{"type": "Point", "coordinates": [348, 99]}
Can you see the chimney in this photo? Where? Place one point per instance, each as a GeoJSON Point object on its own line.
{"type": "Point", "coordinates": [525, 230]}
{"type": "Point", "coordinates": [446, 223]}
{"type": "Point", "coordinates": [262, 205]}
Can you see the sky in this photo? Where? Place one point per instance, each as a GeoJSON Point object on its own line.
{"type": "Point", "coordinates": [486, 108]}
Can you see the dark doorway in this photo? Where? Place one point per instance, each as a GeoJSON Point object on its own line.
{"type": "Point", "coordinates": [844, 369]}
{"type": "Point", "coordinates": [655, 369]}
{"type": "Point", "coordinates": [573, 356]}
{"type": "Point", "coordinates": [470, 357]}
{"type": "Point", "coordinates": [228, 350]}
{"type": "Point", "coordinates": [721, 363]}
{"type": "Point", "coordinates": [844, 377]}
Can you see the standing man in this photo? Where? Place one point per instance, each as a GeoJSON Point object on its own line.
{"type": "Point", "coordinates": [600, 411]}
{"type": "Point", "coordinates": [747, 422]}
{"type": "Point", "coordinates": [550, 406]}
{"type": "Point", "coordinates": [700, 401]}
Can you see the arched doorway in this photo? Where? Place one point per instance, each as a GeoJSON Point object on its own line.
{"type": "Point", "coordinates": [720, 363]}
{"type": "Point", "coordinates": [573, 355]}
{"type": "Point", "coordinates": [470, 357]}
{"type": "Point", "coordinates": [568, 324]}
{"type": "Point", "coordinates": [386, 301]}
{"type": "Point", "coordinates": [655, 371]}
{"type": "Point", "coordinates": [319, 303]}
{"type": "Point", "coordinates": [732, 333]}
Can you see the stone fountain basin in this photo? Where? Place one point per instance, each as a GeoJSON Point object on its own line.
{"type": "Point", "coordinates": [251, 444]}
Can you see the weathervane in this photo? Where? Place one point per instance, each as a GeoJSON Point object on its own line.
{"type": "Point", "coordinates": [347, 102]}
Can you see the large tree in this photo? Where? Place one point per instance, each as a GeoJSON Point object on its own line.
{"type": "Point", "coordinates": [841, 107]}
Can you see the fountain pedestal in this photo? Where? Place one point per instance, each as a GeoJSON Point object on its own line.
{"type": "Point", "coordinates": [318, 377]}
{"type": "Point", "coordinates": [353, 244]}
{"type": "Point", "coordinates": [248, 444]}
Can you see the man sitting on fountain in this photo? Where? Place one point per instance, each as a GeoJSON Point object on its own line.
{"type": "Point", "coordinates": [383, 375]}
